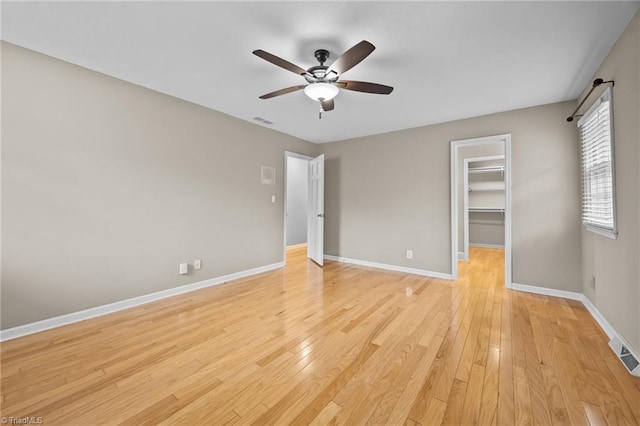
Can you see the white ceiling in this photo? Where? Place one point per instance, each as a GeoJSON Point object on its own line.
{"type": "Point", "coordinates": [446, 60]}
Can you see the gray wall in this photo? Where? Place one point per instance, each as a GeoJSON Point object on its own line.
{"type": "Point", "coordinates": [108, 186]}
{"type": "Point", "coordinates": [297, 181]}
{"type": "Point", "coordinates": [487, 232]}
{"type": "Point", "coordinates": [615, 263]}
{"type": "Point", "coordinates": [391, 192]}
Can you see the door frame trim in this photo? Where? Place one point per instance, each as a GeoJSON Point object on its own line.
{"type": "Point", "coordinates": [455, 144]}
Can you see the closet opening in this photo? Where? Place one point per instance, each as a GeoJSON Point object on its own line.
{"type": "Point", "coordinates": [481, 200]}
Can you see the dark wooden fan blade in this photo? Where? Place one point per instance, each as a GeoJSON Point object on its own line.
{"type": "Point", "coordinates": [328, 105]}
{"type": "Point", "coordinates": [352, 57]}
{"type": "Point", "coordinates": [279, 62]}
{"type": "Point", "coordinates": [363, 86]}
{"type": "Point", "coordinates": [282, 91]}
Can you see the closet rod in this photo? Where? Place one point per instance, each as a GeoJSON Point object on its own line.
{"type": "Point", "coordinates": [597, 82]}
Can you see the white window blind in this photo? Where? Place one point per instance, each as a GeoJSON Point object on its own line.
{"type": "Point", "coordinates": [598, 177]}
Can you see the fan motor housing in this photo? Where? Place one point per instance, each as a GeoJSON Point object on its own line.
{"type": "Point", "coordinates": [321, 55]}
{"type": "Point", "coordinates": [319, 74]}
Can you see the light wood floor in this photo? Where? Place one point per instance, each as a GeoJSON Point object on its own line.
{"type": "Point", "coordinates": [339, 345]}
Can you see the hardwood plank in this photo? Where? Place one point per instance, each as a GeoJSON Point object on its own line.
{"type": "Point", "coordinates": [455, 403]}
{"type": "Point", "coordinates": [409, 422]}
{"type": "Point", "coordinates": [356, 399]}
{"type": "Point", "coordinates": [594, 414]}
{"type": "Point", "coordinates": [473, 396]}
{"type": "Point", "coordinates": [489, 404]}
{"type": "Point", "coordinates": [557, 407]}
{"type": "Point", "coordinates": [415, 383]}
{"type": "Point", "coordinates": [250, 414]}
{"type": "Point", "coordinates": [393, 393]}
{"type": "Point", "coordinates": [155, 413]}
{"type": "Point", "coordinates": [482, 344]}
{"type": "Point", "coordinates": [314, 408]}
{"type": "Point", "coordinates": [566, 371]}
{"type": "Point", "coordinates": [466, 361]}
{"type": "Point", "coordinates": [539, 403]}
{"type": "Point", "coordinates": [342, 344]}
{"type": "Point", "coordinates": [327, 414]}
{"type": "Point", "coordinates": [435, 411]}
{"type": "Point", "coordinates": [630, 386]}
{"type": "Point", "coordinates": [506, 396]}
{"type": "Point", "coordinates": [523, 411]}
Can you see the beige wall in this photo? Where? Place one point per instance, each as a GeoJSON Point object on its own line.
{"type": "Point", "coordinates": [108, 186]}
{"type": "Point", "coordinates": [615, 263]}
{"type": "Point", "coordinates": [391, 192]}
{"type": "Point", "coordinates": [118, 184]}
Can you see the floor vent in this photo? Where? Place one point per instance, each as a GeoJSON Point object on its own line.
{"type": "Point", "coordinates": [628, 358]}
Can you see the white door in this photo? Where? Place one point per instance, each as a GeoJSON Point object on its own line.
{"type": "Point", "coordinates": [315, 244]}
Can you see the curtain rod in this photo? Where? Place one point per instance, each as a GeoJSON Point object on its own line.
{"type": "Point", "coordinates": [597, 82]}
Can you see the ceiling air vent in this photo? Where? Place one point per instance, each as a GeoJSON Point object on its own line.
{"type": "Point", "coordinates": [626, 356]}
{"type": "Point", "coordinates": [263, 120]}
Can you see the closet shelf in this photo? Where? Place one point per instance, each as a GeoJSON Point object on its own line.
{"type": "Point", "coordinates": [486, 186]}
{"type": "Point", "coordinates": [489, 169]}
{"type": "Point", "coordinates": [486, 209]}
{"type": "Point", "coordinates": [485, 189]}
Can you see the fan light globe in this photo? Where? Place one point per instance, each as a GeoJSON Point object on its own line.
{"type": "Point", "coordinates": [324, 91]}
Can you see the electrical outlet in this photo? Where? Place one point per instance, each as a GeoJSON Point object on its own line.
{"type": "Point", "coordinates": [409, 254]}
{"type": "Point", "coordinates": [197, 264]}
{"type": "Point", "coordinates": [184, 268]}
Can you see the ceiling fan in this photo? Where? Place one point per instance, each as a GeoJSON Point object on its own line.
{"type": "Point", "coordinates": [323, 82]}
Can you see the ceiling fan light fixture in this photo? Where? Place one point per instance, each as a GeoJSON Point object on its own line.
{"type": "Point", "coordinates": [321, 91]}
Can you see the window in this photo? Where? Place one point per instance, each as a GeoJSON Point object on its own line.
{"type": "Point", "coordinates": [598, 177]}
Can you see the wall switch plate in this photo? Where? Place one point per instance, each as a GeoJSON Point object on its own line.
{"type": "Point", "coordinates": [197, 264]}
{"type": "Point", "coordinates": [592, 282]}
{"type": "Point", "coordinates": [184, 268]}
{"type": "Point", "coordinates": [273, 199]}
{"type": "Point", "coordinates": [409, 254]}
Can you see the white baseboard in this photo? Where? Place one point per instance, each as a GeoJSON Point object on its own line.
{"type": "Point", "coordinates": [498, 246]}
{"type": "Point", "coordinates": [614, 337]}
{"type": "Point", "coordinates": [462, 255]}
{"type": "Point", "coordinates": [595, 313]}
{"type": "Point", "coordinates": [547, 291]}
{"type": "Point", "coordinates": [602, 322]}
{"type": "Point", "coordinates": [36, 327]}
{"type": "Point", "coordinates": [422, 272]}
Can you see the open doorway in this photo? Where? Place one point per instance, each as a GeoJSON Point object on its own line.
{"type": "Point", "coordinates": [481, 199]}
{"type": "Point", "coordinates": [303, 172]}
{"type": "Point", "coordinates": [296, 202]}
